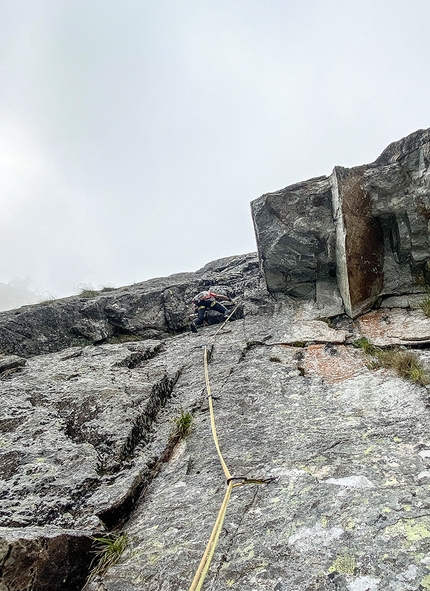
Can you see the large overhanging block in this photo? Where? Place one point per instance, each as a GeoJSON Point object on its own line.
{"type": "Point", "coordinates": [368, 226]}
{"type": "Point", "coordinates": [295, 237]}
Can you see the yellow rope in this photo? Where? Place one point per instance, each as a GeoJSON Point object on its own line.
{"type": "Point", "coordinates": [206, 560]}
{"type": "Point", "coordinates": [210, 548]}
{"type": "Point", "coordinates": [211, 408]}
{"type": "Point", "coordinates": [226, 320]}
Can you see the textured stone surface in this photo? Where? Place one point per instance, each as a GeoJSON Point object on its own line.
{"type": "Point", "coordinates": [333, 364]}
{"type": "Point", "coordinates": [86, 431]}
{"type": "Point", "coordinates": [11, 362]}
{"type": "Point", "coordinates": [85, 448]}
{"type": "Point", "coordinates": [413, 301]}
{"type": "Point", "coordinates": [395, 327]}
{"type": "Point", "coordinates": [350, 507]}
{"type": "Point", "coordinates": [44, 559]}
{"type": "Point", "coordinates": [70, 424]}
{"type": "Point", "coordinates": [295, 237]}
{"type": "Point", "coordinates": [359, 241]}
{"type": "Point", "coordinates": [365, 228]}
{"type": "Point", "coordinates": [398, 184]}
{"type": "Point", "coordinates": [152, 309]}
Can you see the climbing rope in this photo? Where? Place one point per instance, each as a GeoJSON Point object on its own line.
{"type": "Point", "coordinates": [232, 482]}
{"type": "Point", "coordinates": [212, 414]}
{"type": "Point", "coordinates": [226, 320]}
{"type": "Point", "coordinates": [206, 560]}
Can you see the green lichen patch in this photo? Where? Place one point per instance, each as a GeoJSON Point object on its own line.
{"type": "Point", "coordinates": [413, 530]}
{"type": "Point", "coordinates": [417, 531]}
{"type": "Point", "coordinates": [344, 565]}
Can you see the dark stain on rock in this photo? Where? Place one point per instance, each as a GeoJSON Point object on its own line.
{"type": "Point", "coordinates": [9, 425]}
{"type": "Point", "coordinates": [49, 563]}
{"type": "Point", "coordinates": [9, 464]}
{"type": "Point", "coordinates": [364, 240]}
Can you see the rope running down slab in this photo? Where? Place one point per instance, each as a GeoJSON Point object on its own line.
{"type": "Point", "coordinates": [206, 560]}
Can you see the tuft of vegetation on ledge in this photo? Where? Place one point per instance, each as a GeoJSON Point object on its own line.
{"type": "Point", "coordinates": [404, 363]}
{"type": "Point", "coordinates": [183, 425]}
{"type": "Point", "coordinates": [425, 305]}
{"type": "Point", "coordinates": [88, 291]}
{"type": "Point", "coordinates": [107, 553]}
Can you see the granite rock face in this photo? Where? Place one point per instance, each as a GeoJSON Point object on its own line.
{"type": "Point", "coordinates": [91, 390]}
{"type": "Point", "coordinates": [44, 559]}
{"type": "Point", "coordinates": [398, 185]}
{"type": "Point", "coordinates": [296, 237]}
{"type": "Point", "coordinates": [349, 447]}
{"type": "Point", "coordinates": [370, 229]}
{"type": "Point", "coordinates": [151, 309]}
{"type": "Point", "coordinates": [87, 448]}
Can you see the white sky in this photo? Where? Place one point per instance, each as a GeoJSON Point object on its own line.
{"type": "Point", "coordinates": [134, 133]}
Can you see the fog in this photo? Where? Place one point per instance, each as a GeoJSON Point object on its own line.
{"type": "Point", "coordinates": [134, 134]}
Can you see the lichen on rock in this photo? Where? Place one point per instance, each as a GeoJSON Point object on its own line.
{"type": "Point", "coordinates": [90, 389]}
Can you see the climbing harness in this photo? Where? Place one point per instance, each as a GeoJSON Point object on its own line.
{"type": "Point", "coordinates": [232, 481]}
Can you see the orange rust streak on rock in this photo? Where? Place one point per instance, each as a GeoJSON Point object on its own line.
{"type": "Point", "coordinates": [394, 327]}
{"type": "Point", "coordinates": [375, 326]}
{"type": "Point", "coordinates": [335, 364]}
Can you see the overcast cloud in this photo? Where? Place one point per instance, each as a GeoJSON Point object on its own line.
{"type": "Point", "coordinates": [134, 133]}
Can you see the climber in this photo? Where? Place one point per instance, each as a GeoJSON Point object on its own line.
{"type": "Point", "coordinates": [207, 300]}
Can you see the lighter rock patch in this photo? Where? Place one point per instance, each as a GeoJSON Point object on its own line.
{"type": "Point", "coordinates": [409, 574]}
{"type": "Point", "coordinates": [364, 584]}
{"type": "Point", "coordinates": [308, 539]}
{"type": "Point", "coordinates": [354, 481]}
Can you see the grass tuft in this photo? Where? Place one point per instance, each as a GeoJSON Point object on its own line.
{"type": "Point", "coordinates": [419, 376]}
{"type": "Point", "coordinates": [425, 305]}
{"type": "Point", "coordinates": [183, 425]}
{"type": "Point", "coordinates": [404, 363]}
{"type": "Point", "coordinates": [365, 345]}
{"type": "Point", "coordinates": [108, 551]}
{"type": "Point", "coordinates": [86, 290]}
